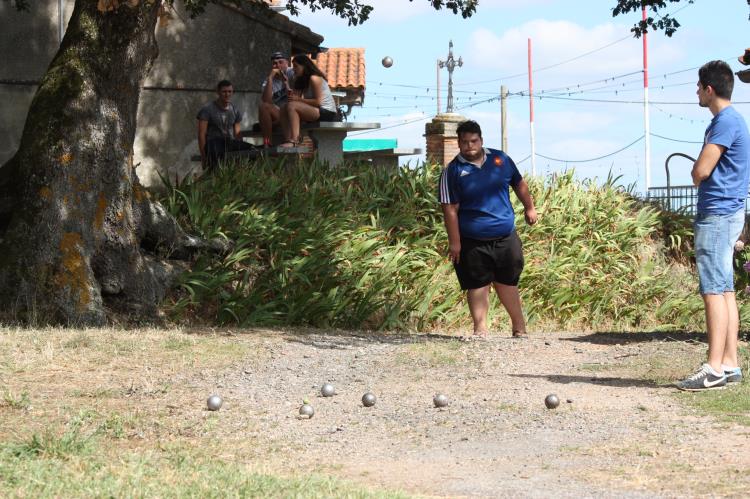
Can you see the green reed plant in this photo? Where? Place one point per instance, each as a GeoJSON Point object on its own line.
{"type": "Point", "coordinates": [362, 247]}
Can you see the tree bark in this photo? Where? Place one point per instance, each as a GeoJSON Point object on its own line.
{"type": "Point", "coordinates": [74, 216]}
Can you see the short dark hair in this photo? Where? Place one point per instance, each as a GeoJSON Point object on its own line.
{"type": "Point", "coordinates": [719, 76]}
{"type": "Point", "coordinates": [223, 83]}
{"type": "Point", "coordinates": [468, 126]}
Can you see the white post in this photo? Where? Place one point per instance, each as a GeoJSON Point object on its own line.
{"type": "Point", "coordinates": [531, 116]}
{"type": "Point", "coordinates": [646, 120]}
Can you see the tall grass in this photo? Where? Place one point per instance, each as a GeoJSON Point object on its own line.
{"type": "Point", "coordinates": [361, 247]}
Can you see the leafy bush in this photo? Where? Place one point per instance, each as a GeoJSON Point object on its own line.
{"type": "Point", "coordinates": [362, 247]}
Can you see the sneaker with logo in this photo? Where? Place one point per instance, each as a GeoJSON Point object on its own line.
{"type": "Point", "coordinates": [703, 379]}
{"type": "Point", "coordinates": [733, 374]}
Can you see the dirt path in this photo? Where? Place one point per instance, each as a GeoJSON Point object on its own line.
{"type": "Point", "coordinates": [614, 434]}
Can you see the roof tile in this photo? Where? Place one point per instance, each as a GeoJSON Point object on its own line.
{"type": "Point", "coordinates": [344, 67]}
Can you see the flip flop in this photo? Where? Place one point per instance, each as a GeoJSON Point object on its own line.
{"type": "Point", "coordinates": [520, 334]}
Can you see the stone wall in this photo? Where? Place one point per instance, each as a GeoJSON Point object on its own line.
{"type": "Point", "coordinates": [194, 54]}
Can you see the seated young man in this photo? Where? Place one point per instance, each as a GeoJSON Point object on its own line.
{"type": "Point", "coordinates": [219, 127]}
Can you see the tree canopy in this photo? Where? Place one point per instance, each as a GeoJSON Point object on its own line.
{"type": "Point", "coordinates": [354, 11]}
{"type": "Point", "coordinates": [665, 22]}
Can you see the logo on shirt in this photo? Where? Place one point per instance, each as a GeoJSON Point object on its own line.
{"type": "Point", "coordinates": [498, 161]}
{"type": "Point", "coordinates": [464, 173]}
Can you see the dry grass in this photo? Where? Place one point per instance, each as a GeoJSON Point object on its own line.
{"type": "Point", "coordinates": [113, 412]}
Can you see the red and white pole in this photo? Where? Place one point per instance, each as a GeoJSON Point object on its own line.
{"type": "Point", "coordinates": [531, 115]}
{"type": "Point", "coordinates": [646, 121]}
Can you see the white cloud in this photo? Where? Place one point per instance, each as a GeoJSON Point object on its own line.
{"type": "Point", "coordinates": [554, 42]}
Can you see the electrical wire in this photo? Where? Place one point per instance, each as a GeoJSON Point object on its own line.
{"type": "Point", "coordinates": [675, 140]}
{"type": "Point", "coordinates": [551, 65]}
{"type": "Point", "coordinates": [592, 159]}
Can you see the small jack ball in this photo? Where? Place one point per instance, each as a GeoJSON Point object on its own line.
{"type": "Point", "coordinates": [306, 410]}
{"type": "Point", "coordinates": [214, 403]}
{"type": "Point", "coordinates": [368, 399]}
{"type": "Point", "coordinates": [551, 401]}
{"type": "Point", "coordinates": [387, 62]}
{"type": "Point", "coordinates": [327, 390]}
{"type": "Point", "coordinates": [440, 400]}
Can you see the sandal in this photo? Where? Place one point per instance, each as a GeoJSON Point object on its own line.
{"type": "Point", "coordinates": [288, 144]}
{"type": "Point", "coordinates": [520, 334]}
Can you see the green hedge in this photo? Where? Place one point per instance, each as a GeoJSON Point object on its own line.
{"type": "Point", "coordinates": [364, 248]}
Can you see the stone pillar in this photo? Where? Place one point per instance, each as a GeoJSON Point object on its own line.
{"type": "Point", "coordinates": [441, 138]}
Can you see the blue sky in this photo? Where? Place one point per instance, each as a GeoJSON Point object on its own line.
{"type": "Point", "coordinates": [605, 66]}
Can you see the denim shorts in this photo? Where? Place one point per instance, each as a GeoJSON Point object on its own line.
{"type": "Point", "coordinates": [715, 236]}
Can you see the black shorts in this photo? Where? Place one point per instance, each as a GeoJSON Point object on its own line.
{"type": "Point", "coordinates": [484, 262]}
{"type": "Point", "coordinates": [328, 115]}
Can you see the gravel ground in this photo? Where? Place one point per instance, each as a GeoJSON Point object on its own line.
{"type": "Point", "coordinates": [614, 434]}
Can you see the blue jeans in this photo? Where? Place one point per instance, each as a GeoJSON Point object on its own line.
{"type": "Point", "coordinates": [715, 236]}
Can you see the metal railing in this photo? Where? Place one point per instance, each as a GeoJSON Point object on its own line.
{"type": "Point", "coordinates": [677, 198]}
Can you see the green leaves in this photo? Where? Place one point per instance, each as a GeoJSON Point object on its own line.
{"type": "Point", "coordinates": [363, 248]}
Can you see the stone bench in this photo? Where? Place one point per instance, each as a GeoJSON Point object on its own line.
{"type": "Point", "coordinates": [328, 137]}
{"type": "Point", "coordinates": [387, 158]}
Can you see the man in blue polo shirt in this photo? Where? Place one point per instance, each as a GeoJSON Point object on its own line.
{"type": "Point", "coordinates": [721, 173]}
{"type": "Point", "coordinates": [479, 219]}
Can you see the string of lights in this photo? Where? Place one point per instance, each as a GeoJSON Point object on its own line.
{"type": "Point", "coordinates": [674, 116]}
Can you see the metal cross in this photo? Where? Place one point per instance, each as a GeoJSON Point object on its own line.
{"type": "Point", "coordinates": [451, 64]}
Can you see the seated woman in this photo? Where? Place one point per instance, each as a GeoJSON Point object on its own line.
{"type": "Point", "coordinates": [310, 100]}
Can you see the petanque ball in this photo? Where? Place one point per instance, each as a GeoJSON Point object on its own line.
{"type": "Point", "coordinates": [551, 401]}
{"type": "Point", "coordinates": [440, 400]}
{"type": "Point", "coordinates": [327, 390]}
{"type": "Point", "coordinates": [214, 403]}
{"type": "Point", "coordinates": [387, 62]}
{"type": "Point", "coordinates": [306, 410]}
{"type": "Point", "coordinates": [368, 399]}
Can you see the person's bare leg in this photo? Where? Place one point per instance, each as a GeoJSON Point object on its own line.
{"type": "Point", "coordinates": [479, 305]}
{"type": "Point", "coordinates": [729, 358]}
{"type": "Point", "coordinates": [268, 114]}
{"type": "Point", "coordinates": [298, 112]}
{"type": "Point", "coordinates": [284, 119]}
{"type": "Point", "coordinates": [717, 324]}
{"type": "Point", "coordinates": [511, 300]}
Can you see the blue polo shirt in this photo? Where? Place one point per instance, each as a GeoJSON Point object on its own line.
{"type": "Point", "coordinates": [725, 190]}
{"type": "Point", "coordinates": [482, 193]}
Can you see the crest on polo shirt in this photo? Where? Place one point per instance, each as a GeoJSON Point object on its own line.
{"type": "Point", "coordinates": [498, 161]}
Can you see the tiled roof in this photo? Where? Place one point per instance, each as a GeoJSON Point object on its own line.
{"type": "Point", "coordinates": [344, 68]}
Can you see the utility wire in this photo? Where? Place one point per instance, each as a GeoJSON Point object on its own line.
{"type": "Point", "coordinates": [592, 159]}
{"type": "Point", "coordinates": [675, 140]}
{"type": "Point", "coordinates": [613, 101]}
{"type": "Point", "coordinates": [524, 159]}
{"type": "Point", "coordinates": [552, 65]}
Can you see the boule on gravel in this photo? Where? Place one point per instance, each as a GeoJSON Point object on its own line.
{"type": "Point", "coordinates": [306, 410]}
{"type": "Point", "coordinates": [440, 400]}
{"type": "Point", "coordinates": [369, 399]}
{"type": "Point", "coordinates": [551, 401]}
{"type": "Point", "coordinates": [327, 390]}
{"type": "Point", "coordinates": [214, 403]}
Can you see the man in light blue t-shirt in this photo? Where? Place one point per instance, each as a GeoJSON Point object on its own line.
{"type": "Point", "coordinates": [721, 173]}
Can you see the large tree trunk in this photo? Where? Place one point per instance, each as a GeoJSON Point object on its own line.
{"type": "Point", "coordinates": [74, 216]}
